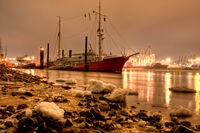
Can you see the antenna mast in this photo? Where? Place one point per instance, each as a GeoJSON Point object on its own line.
{"type": "Point", "coordinates": [100, 32]}
{"type": "Point", "coordinates": [59, 37]}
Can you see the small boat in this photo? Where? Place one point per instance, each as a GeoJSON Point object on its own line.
{"type": "Point", "coordinates": [157, 66]}
{"type": "Point", "coordinates": [27, 66]}
{"type": "Point", "coordinates": [195, 67]}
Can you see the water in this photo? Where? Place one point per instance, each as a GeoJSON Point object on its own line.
{"type": "Point", "coordinates": [152, 85]}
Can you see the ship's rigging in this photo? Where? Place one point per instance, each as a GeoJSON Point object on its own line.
{"type": "Point", "coordinates": [95, 19]}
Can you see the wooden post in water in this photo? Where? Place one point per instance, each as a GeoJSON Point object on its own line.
{"type": "Point", "coordinates": [63, 53]}
{"type": "Point", "coordinates": [41, 57]}
{"type": "Point", "coordinates": [47, 55]}
{"type": "Point", "coordinates": [86, 65]}
{"type": "Point", "coordinates": [70, 53]}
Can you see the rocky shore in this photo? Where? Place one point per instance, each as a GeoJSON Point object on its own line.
{"type": "Point", "coordinates": [28, 104]}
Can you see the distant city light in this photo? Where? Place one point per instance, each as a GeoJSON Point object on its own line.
{"type": "Point", "coordinates": [168, 60]}
{"type": "Point", "coordinates": [27, 58]}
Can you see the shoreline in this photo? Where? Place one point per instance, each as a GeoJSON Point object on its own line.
{"type": "Point", "coordinates": [82, 114]}
{"type": "Point", "coordinates": [160, 70]}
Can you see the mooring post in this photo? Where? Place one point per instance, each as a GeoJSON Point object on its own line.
{"type": "Point", "coordinates": [63, 53]}
{"type": "Point", "coordinates": [41, 57]}
{"type": "Point", "coordinates": [70, 53]}
{"type": "Point", "coordinates": [86, 65]}
{"type": "Point", "coordinates": [47, 55]}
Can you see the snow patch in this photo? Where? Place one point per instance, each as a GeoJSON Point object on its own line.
{"type": "Point", "coordinates": [98, 86]}
{"type": "Point", "coordinates": [182, 90]}
{"type": "Point", "coordinates": [50, 110]}
{"type": "Point", "coordinates": [181, 112]}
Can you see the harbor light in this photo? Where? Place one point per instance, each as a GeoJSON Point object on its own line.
{"type": "Point", "coordinates": [41, 49]}
{"type": "Point", "coordinates": [168, 60]}
{"type": "Point", "coordinates": [41, 57]}
{"type": "Point", "coordinates": [197, 60]}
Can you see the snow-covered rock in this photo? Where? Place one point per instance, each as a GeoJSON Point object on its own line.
{"type": "Point", "coordinates": [182, 90]}
{"type": "Point", "coordinates": [87, 93]}
{"type": "Point", "coordinates": [108, 88]}
{"type": "Point", "coordinates": [131, 92]}
{"type": "Point", "coordinates": [181, 112]}
{"type": "Point", "coordinates": [95, 86]}
{"type": "Point", "coordinates": [50, 110]}
{"type": "Point", "coordinates": [80, 93]}
{"type": "Point", "coordinates": [28, 112]}
{"type": "Point", "coordinates": [98, 86]}
{"type": "Point", "coordinates": [141, 123]}
{"type": "Point", "coordinates": [118, 95]}
{"type": "Point", "coordinates": [70, 81]}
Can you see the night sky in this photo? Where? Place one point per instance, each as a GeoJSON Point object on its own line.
{"type": "Point", "coordinates": [170, 27]}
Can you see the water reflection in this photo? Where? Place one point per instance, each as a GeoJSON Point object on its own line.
{"type": "Point", "coordinates": [125, 79]}
{"type": "Point", "coordinates": [197, 88]}
{"type": "Point", "coordinates": [167, 86]}
{"type": "Point", "coordinates": [152, 86]}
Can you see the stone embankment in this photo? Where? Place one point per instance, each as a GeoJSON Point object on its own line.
{"type": "Point", "coordinates": [28, 104]}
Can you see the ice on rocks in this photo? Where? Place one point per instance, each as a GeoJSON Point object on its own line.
{"type": "Point", "coordinates": [131, 92]}
{"type": "Point", "coordinates": [142, 123]}
{"type": "Point", "coordinates": [181, 112]}
{"type": "Point", "coordinates": [28, 112]}
{"type": "Point", "coordinates": [108, 87]}
{"type": "Point", "coordinates": [95, 85]}
{"type": "Point", "coordinates": [80, 93]}
{"type": "Point", "coordinates": [98, 86]}
{"type": "Point", "coordinates": [118, 95]}
{"type": "Point", "coordinates": [50, 110]}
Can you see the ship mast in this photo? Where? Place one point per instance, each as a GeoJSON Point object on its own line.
{"type": "Point", "coordinates": [1, 49]}
{"type": "Point", "coordinates": [59, 37]}
{"type": "Point", "coordinates": [100, 33]}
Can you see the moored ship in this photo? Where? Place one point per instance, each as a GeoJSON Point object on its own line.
{"type": "Point", "coordinates": [90, 61]}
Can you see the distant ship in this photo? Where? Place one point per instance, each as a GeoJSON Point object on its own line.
{"type": "Point", "coordinates": [145, 60]}
{"type": "Point", "coordinates": [90, 61]}
{"type": "Point", "coordinates": [157, 66]}
{"type": "Point", "coordinates": [153, 66]}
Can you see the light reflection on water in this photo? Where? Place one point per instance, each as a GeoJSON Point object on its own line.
{"type": "Point", "coordinates": [152, 86]}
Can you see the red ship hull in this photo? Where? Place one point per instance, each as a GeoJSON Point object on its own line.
{"type": "Point", "coordinates": [106, 65]}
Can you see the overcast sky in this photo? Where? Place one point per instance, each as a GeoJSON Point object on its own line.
{"type": "Point", "coordinates": [170, 27]}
